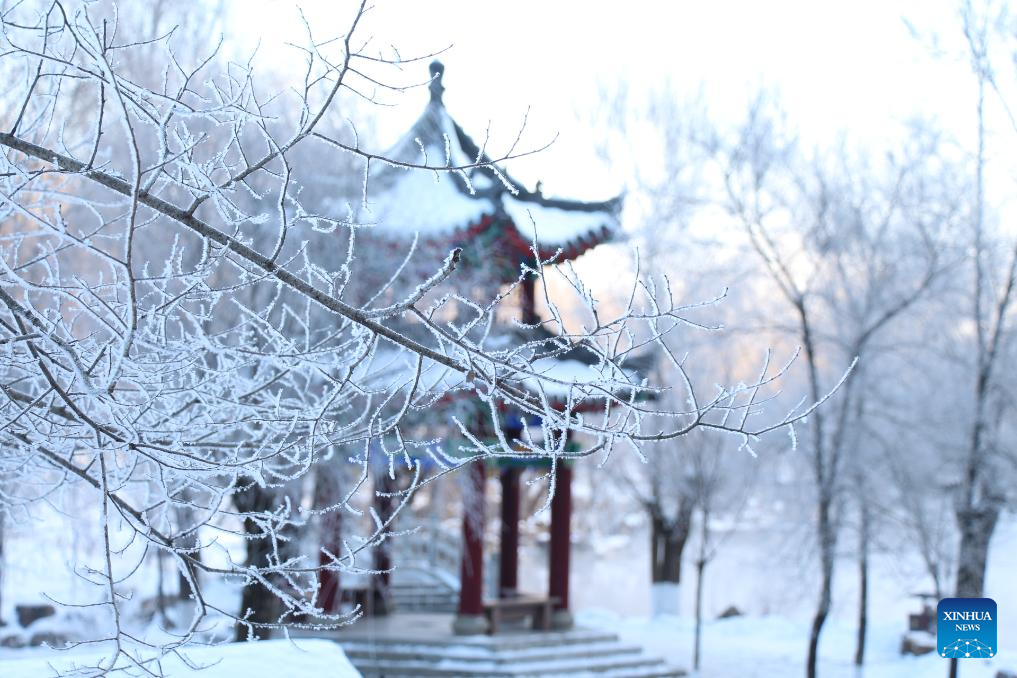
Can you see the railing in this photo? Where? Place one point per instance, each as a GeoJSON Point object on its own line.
{"type": "Point", "coordinates": [431, 552]}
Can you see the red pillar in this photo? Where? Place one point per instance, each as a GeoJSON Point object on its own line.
{"type": "Point", "coordinates": [508, 576]}
{"type": "Point", "coordinates": [328, 579]}
{"type": "Point", "coordinates": [470, 618]}
{"type": "Point", "coordinates": [558, 568]}
{"type": "Point", "coordinates": [528, 305]}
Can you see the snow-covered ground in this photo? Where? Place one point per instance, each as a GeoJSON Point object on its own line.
{"type": "Point", "coordinates": [764, 571]}
{"type": "Point", "coordinates": [763, 568]}
{"type": "Point", "coordinates": [774, 647]}
{"type": "Point", "coordinates": [265, 659]}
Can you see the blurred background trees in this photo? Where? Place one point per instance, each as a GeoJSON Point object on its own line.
{"type": "Point", "coordinates": [895, 260]}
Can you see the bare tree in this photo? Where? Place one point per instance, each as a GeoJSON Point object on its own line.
{"type": "Point", "coordinates": [980, 468]}
{"type": "Point", "coordinates": [712, 477]}
{"type": "Point", "coordinates": [982, 495]}
{"type": "Point", "coordinates": [172, 339]}
{"type": "Point", "coordinates": [662, 487]}
{"type": "Point", "coordinates": [850, 250]}
{"type": "Point", "coordinates": [983, 491]}
{"type": "Point", "coordinates": [665, 171]}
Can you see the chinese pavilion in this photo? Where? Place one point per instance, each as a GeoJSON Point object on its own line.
{"type": "Point", "coordinates": [497, 223]}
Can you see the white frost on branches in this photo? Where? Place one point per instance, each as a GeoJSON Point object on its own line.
{"type": "Point", "coordinates": [172, 332]}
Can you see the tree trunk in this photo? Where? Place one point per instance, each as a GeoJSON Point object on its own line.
{"type": "Point", "coordinates": [669, 547]}
{"type": "Point", "coordinates": [385, 506]}
{"type": "Point", "coordinates": [258, 605]}
{"type": "Point", "coordinates": [704, 544]}
{"type": "Point", "coordinates": [863, 585]}
{"type": "Point", "coordinates": [667, 543]}
{"type": "Point", "coordinates": [700, 566]}
{"type": "Point", "coordinates": [183, 584]}
{"type": "Point", "coordinates": [184, 516]}
{"type": "Point", "coordinates": [160, 587]}
{"type": "Point", "coordinates": [327, 493]}
{"type": "Point", "coordinates": [976, 527]}
{"type": "Point", "coordinates": [262, 604]}
{"type": "Point", "coordinates": [827, 544]}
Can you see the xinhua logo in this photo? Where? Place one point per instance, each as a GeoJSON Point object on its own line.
{"type": "Point", "coordinates": [966, 628]}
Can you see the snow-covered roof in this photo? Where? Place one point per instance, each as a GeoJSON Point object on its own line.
{"type": "Point", "coordinates": [559, 223]}
{"type": "Point", "coordinates": [451, 207]}
{"type": "Point", "coordinates": [565, 377]}
{"type": "Point", "coordinates": [554, 366]}
{"type": "Point", "coordinates": [424, 203]}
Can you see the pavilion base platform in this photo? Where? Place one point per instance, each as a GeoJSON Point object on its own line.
{"type": "Point", "coordinates": [562, 619]}
{"type": "Point", "coordinates": [469, 624]}
{"type": "Point", "coordinates": [423, 644]}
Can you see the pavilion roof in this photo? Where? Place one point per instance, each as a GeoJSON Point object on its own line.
{"type": "Point", "coordinates": [451, 208]}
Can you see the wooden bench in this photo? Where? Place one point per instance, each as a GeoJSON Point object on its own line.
{"type": "Point", "coordinates": [519, 607]}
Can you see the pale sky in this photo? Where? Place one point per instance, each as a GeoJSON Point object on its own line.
{"type": "Point", "coordinates": [850, 68]}
{"type": "Point", "coordinates": [838, 66]}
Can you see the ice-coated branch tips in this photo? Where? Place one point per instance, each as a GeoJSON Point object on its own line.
{"type": "Point", "coordinates": [261, 367]}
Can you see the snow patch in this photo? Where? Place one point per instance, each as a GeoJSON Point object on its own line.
{"type": "Point", "coordinates": [666, 598]}
{"type": "Point", "coordinates": [264, 659]}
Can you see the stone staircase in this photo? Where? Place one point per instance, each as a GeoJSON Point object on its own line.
{"type": "Point", "coordinates": [577, 652]}
{"type": "Point", "coordinates": [425, 576]}
{"type": "Point", "coordinates": [414, 596]}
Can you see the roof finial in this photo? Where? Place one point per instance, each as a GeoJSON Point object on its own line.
{"type": "Point", "coordinates": [437, 70]}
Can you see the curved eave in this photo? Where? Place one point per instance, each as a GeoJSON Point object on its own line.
{"type": "Point", "coordinates": [568, 228]}
{"type": "Point", "coordinates": [567, 251]}
{"type": "Point", "coordinates": [510, 236]}
{"type": "Point", "coordinates": [459, 235]}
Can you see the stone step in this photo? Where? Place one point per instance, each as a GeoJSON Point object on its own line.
{"type": "Point", "coordinates": [426, 595]}
{"type": "Point", "coordinates": [421, 586]}
{"type": "Point", "coordinates": [423, 593]}
{"type": "Point", "coordinates": [433, 603]}
{"type": "Point", "coordinates": [435, 653]}
{"type": "Point", "coordinates": [659, 670]}
{"type": "Point", "coordinates": [498, 643]}
{"type": "Point", "coordinates": [619, 664]}
{"type": "Point", "coordinates": [447, 608]}
{"type": "Point", "coordinates": [656, 669]}
{"type": "Point", "coordinates": [423, 605]}
{"type": "Point", "coordinates": [403, 603]}
{"type": "Point", "coordinates": [437, 609]}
